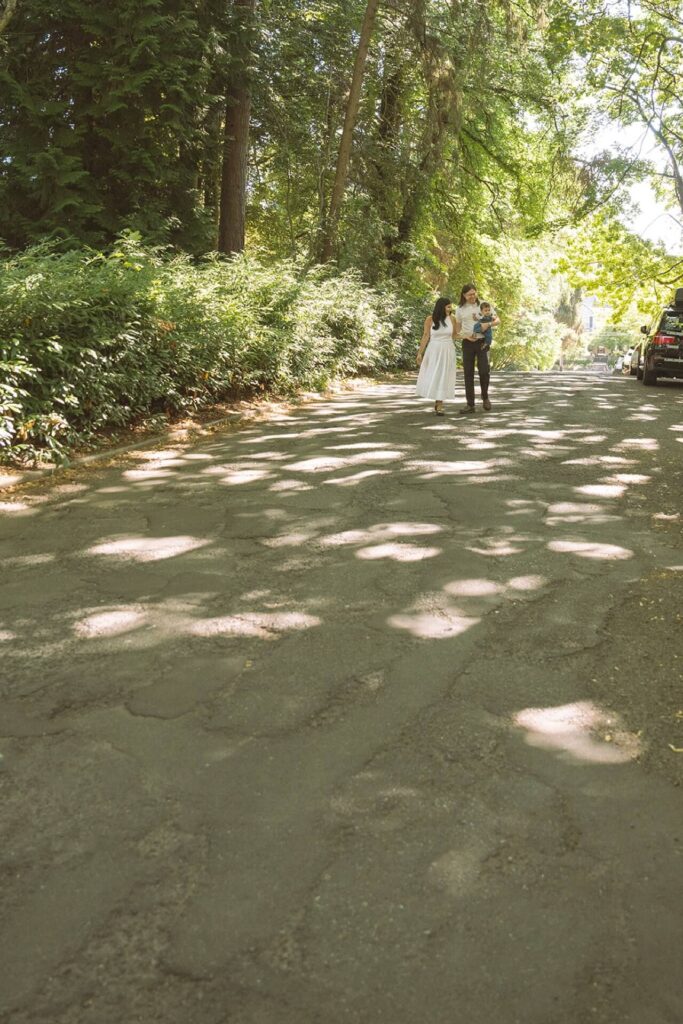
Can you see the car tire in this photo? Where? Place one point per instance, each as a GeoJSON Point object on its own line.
{"type": "Point", "coordinates": [632, 371]}
{"type": "Point", "coordinates": [639, 373]}
{"type": "Point", "coordinates": [649, 376]}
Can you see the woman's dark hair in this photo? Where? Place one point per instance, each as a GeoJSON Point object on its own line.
{"type": "Point", "coordinates": [465, 289]}
{"type": "Point", "coordinates": [439, 314]}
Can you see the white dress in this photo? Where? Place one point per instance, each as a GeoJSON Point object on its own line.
{"type": "Point", "coordinates": [436, 378]}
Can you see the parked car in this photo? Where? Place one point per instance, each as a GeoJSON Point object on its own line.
{"type": "Point", "coordinates": [662, 354]}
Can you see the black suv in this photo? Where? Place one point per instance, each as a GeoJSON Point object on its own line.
{"type": "Point", "coordinates": [662, 354]}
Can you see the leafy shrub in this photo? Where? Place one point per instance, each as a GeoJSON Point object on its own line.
{"type": "Point", "coordinates": [91, 341]}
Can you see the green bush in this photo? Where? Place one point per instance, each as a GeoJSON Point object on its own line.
{"type": "Point", "coordinates": [91, 341]}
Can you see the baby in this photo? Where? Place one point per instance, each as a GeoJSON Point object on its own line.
{"type": "Point", "coordinates": [480, 327]}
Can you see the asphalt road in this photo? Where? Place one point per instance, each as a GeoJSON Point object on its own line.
{"type": "Point", "coordinates": [352, 716]}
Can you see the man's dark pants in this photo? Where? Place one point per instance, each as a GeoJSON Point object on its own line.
{"type": "Point", "coordinates": [475, 351]}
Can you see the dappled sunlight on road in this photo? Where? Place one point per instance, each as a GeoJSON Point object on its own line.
{"type": "Point", "coordinates": [398, 552]}
{"type": "Point", "coordinates": [378, 532]}
{"type": "Point", "coordinates": [648, 444]}
{"type": "Point", "coordinates": [444, 625]}
{"type": "Point", "coordinates": [578, 512]}
{"type": "Point", "coordinates": [601, 490]}
{"type": "Point", "coordinates": [433, 616]}
{"type": "Point", "coordinates": [264, 625]}
{"type": "Point", "coordinates": [26, 561]}
{"type": "Point", "coordinates": [146, 549]}
{"type": "Point", "coordinates": [430, 470]}
{"type": "Point", "coordinates": [355, 478]}
{"type": "Point", "coordinates": [491, 548]}
{"type": "Point", "coordinates": [114, 622]}
{"type": "Point", "coordinates": [356, 517]}
{"type": "Point", "coordinates": [582, 732]}
{"type": "Point", "coordinates": [588, 549]}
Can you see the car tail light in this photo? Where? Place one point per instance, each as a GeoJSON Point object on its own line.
{"type": "Point", "coordinates": [664, 339]}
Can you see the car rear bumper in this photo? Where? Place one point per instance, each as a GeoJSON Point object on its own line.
{"type": "Point", "coordinates": [667, 366]}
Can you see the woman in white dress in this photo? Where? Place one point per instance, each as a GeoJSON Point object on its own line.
{"type": "Point", "coordinates": [436, 357]}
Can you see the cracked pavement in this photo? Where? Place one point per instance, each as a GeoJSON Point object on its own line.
{"type": "Point", "coordinates": [351, 716]}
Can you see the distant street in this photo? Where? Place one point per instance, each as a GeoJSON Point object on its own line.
{"type": "Point", "coordinates": [352, 716]}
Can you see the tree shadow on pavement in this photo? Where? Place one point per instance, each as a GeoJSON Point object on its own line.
{"type": "Point", "coordinates": [298, 640]}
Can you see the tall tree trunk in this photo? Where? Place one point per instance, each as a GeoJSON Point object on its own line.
{"type": "Point", "coordinates": [444, 102]}
{"type": "Point", "coordinates": [6, 14]}
{"type": "Point", "coordinates": [329, 229]}
{"type": "Point", "coordinates": [236, 137]}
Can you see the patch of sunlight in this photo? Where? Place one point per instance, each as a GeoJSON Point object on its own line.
{"type": "Point", "coordinates": [649, 444]}
{"type": "Point", "coordinates": [327, 463]}
{"type": "Point", "coordinates": [398, 552]}
{"type": "Point", "coordinates": [431, 467]}
{"type": "Point", "coordinates": [355, 478]}
{"type": "Point", "coordinates": [579, 732]}
{"type": "Point", "coordinates": [6, 635]}
{"type": "Point", "coordinates": [112, 490]}
{"type": "Point", "coordinates": [628, 478]}
{"type": "Point", "coordinates": [499, 478]}
{"type": "Point", "coordinates": [473, 588]}
{"type": "Point", "coordinates": [21, 561]}
{"type": "Point", "coordinates": [541, 453]}
{"type": "Point", "coordinates": [497, 549]}
{"type": "Point", "coordinates": [16, 508]}
{"type": "Point", "coordinates": [146, 549]}
{"type": "Point", "coordinates": [163, 453]}
{"type": "Point", "coordinates": [110, 623]}
{"type": "Point", "coordinates": [590, 549]}
{"type": "Point", "coordinates": [285, 486]}
{"type": "Point", "coordinates": [526, 583]}
{"type": "Point", "coordinates": [429, 626]}
{"type": "Point", "coordinates": [476, 445]}
{"type": "Point", "coordinates": [144, 474]}
{"type": "Point", "coordinates": [263, 625]}
{"type": "Point", "coordinates": [248, 437]}
{"type": "Point", "coordinates": [487, 588]}
{"type": "Point", "coordinates": [592, 439]}
{"type": "Point", "coordinates": [602, 490]}
{"type": "Point", "coordinates": [384, 455]}
{"type": "Point", "coordinates": [598, 460]}
{"type": "Point", "coordinates": [287, 540]}
{"type": "Point", "coordinates": [244, 476]}
{"type": "Point", "coordinates": [546, 436]}
{"type": "Point", "coordinates": [358, 444]}
{"type": "Point", "coordinates": [319, 464]}
{"type": "Point", "coordinates": [583, 509]}
{"type": "Point", "coordinates": [379, 532]}
{"type": "Point", "coordinates": [273, 456]}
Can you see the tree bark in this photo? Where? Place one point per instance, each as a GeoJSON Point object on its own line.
{"type": "Point", "coordinates": [6, 14]}
{"type": "Point", "coordinates": [329, 229]}
{"type": "Point", "coordinates": [231, 224]}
